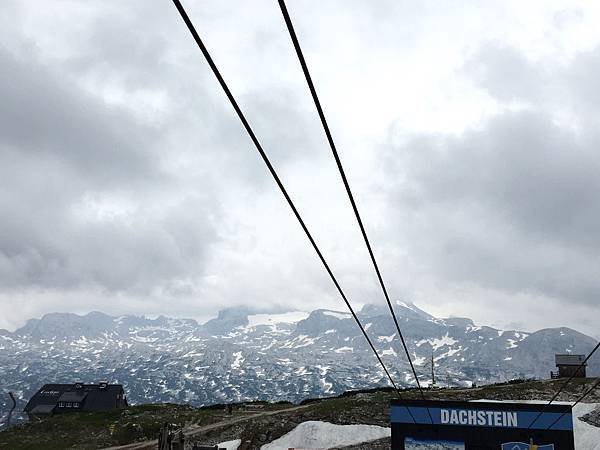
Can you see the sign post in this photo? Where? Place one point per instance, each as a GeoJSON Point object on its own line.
{"type": "Point", "coordinates": [480, 426]}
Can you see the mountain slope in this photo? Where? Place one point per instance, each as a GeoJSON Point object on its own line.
{"type": "Point", "coordinates": [293, 356]}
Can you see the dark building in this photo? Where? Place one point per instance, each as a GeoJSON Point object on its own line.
{"type": "Point", "coordinates": [61, 398]}
{"type": "Point", "coordinates": [569, 365]}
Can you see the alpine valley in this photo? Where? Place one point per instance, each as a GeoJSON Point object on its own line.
{"type": "Point", "coordinates": [240, 356]}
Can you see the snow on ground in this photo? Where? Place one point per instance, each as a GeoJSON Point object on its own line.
{"type": "Point", "coordinates": [444, 340]}
{"type": "Point", "coordinates": [389, 352]}
{"type": "Point", "coordinates": [230, 445]}
{"type": "Point", "coordinates": [337, 314]}
{"type": "Point", "coordinates": [419, 360]}
{"type": "Point", "coordinates": [344, 349]}
{"type": "Point", "coordinates": [386, 338]}
{"type": "Point", "coordinates": [237, 362]}
{"type": "Point", "coordinates": [315, 434]}
{"type": "Point", "coordinates": [273, 319]}
{"type": "Point", "coordinates": [587, 437]}
{"type": "Point", "coordinates": [512, 343]}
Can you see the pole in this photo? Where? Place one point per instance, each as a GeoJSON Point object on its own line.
{"type": "Point", "coordinates": [14, 405]}
{"type": "Point", "coordinates": [432, 371]}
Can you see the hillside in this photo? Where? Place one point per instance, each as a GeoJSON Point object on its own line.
{"type": "Point", "coordinates": [290, 357]}
{"type": "Point", "coordinates": [255, 425]}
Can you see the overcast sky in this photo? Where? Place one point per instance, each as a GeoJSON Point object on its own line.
{"type": "Point", "coordinates": [469, 132]}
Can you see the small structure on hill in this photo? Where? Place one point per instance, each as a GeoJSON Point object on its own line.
{"type": "Point", "coordinates": [63, 398]}
{"type": "Point", "coordinates": [13, 400]}
{"type": "Point", "coordinates": [569, 366]}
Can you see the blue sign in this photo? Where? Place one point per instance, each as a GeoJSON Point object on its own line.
{"type": "Point", "coordinates": [460, 425]}
{"type": "Point", "coordinates": [482, 418]}
{"type": "Point", "coordinates": [524, 446]}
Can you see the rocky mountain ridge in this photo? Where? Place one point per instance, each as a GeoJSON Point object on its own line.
{"type": "Point", "coordinates": [240, 356]}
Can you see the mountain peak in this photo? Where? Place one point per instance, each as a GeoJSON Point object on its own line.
{"type": "Point", "coordinates": [402, 309]}
{"type": "Point", "coordinates": [292, 356]}
{"type": "Point", "coordinates": [226, 320]}
{"type": "Point", "coordinates": [65, 325]}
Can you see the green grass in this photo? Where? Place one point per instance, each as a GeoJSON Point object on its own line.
{"type": "Point", "coordinates": [138, 423]}
{"type": "Point", "coordinates": [101, 429]}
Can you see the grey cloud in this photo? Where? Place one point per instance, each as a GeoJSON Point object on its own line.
{"type": "Point", "coordinates": [129, 43]}
{"type": "Point", "coordinates": [58, 144]}
{"type": "Point", "coordinates": [510, 77]}
{"type": "Point", "coordinates": [568, 17]}
{"type": "Point", "coordinates": [61, 145]}
{"type": "Point", "coordinates": [584, 83]}
{"type": "Point", "coordinates": [45, 113]}
{"type": "Point", "coordinates": [512, 205]}
{"type": "Point", "coordinates": [52, 247]}
{"type": "Point", "coordinates": [508, 205]}
{"type": "Point", "coordinates": [505, 73]}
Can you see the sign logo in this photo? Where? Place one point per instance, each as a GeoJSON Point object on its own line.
{"type": "Point", "coordinates": [525, 446]}
{"type": "Point", "coordinates": [481, 418]}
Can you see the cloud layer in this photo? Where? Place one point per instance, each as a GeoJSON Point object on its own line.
{"type": "Point", "coordinates": [469, 135]}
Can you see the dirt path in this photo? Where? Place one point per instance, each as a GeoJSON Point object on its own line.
{"type": "Point", "coordinates": [195, 429]}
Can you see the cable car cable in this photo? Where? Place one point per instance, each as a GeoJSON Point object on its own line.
{"type": "Point", "coordinates": [585, 394]}
{"type": "Point", "coordinates": [340, 167]}
{"type": "Point", "coordinates": [267, 162]}
{"type": "Point", "coordinates": [564, 385]}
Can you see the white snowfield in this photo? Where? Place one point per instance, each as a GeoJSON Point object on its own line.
{"type": "Point", "coordinates": [230, 445]}
{"type": "Point", "coordinates": [255, 320]}
{"type": "Point", "coordinates": [587, 437]}
{"type": "Point", "coordinates": [324, 435]}
{"type": "Point", "coordinates": [315, 434]}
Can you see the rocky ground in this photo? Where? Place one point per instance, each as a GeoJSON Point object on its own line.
{"type": "Point", "coordinates": [593, 418]}
{"type": "Point", "coordinates": [255, 424]}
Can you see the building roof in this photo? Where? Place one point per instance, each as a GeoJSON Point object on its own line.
{"type": "Point", "coordinates": [93, 397]}
{"type": "Point", "coordinates": [43, 409]}
{"type": "Point", "coordinates": [569, 360]}
{"type": "Point", "coordinates": [103, 399]}
{"type": "Point", "coordinates": [73, 396]}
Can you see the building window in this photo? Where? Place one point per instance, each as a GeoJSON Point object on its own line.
{"type": "Point", "coordinates": [76, 405]}
{"type": "Point", "coordinates": [68, 404]}
{"type": "Point", "coordinates": [61, 404]}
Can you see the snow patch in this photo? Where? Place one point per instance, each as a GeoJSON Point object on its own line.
{"type": "Point", "coordinates": [512, 343]}
{"type": "Point", "coordinates": [449, 353]}
{"type": "Point", "coordinates": [143, 339]}
{"type": "Point", "coordinates": [323, 369]}
{"type": "Point", "coordinates": [316, 434]}
{"type": "Point", "coordinates": [386, 338]}
{"type": "Point", "coordinates": [586, 436]}
{"type": "Point", "coordinates": [389, 352]}
{"type": "Point", "coordinates": [444, 340]}
{"type": "Point", "coordinates": [237, 362]}
{"type": "Point", "coordinates": [230, 445]}
{"type": "Point", "coordinates": [337, 314]}
{"type": "Point", "coordinates": [274, 319]}
{"type": "Point", "coordinates": [302, 340]}
{"type": "Point", "coordinates": [302, 371]}
{"type": "Point", "coordinates": [419, 361]}
{"type": "Point", "coordinates": [344, 349]}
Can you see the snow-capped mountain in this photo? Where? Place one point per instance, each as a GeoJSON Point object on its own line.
{"type": "Point", "coordinates": [239, 356]}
